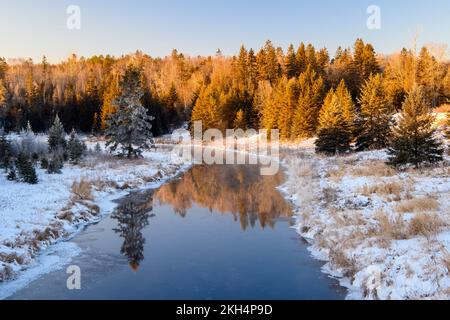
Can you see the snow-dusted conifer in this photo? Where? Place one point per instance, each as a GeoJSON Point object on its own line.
{"type": "Point", "coordinates": [129, 128]}
{"type": "Point", "coordinates": [56, 136]}
{"type": "Point", "coordinates": [75, 147]}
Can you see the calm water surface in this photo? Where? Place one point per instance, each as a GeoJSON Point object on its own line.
{"type": "Point", "coordinates": [217, 232]}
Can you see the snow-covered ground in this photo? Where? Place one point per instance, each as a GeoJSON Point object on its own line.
{"type": "Point", "coordinates": [36, 219]}
{"type": "Point", "coordinates": [384, 234]}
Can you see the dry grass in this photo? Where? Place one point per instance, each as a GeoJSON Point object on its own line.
{"type": "Point", "coordinates": [390, 188]}
{"type": "Point", "coordinates": [336, 174]}
{"type": "Point", "coordinates": [422, 204]}
{"type": "Point", "coordinates": [391, 228]}
{"type": "Point", "coordinates": [82, 189]}
{"type": "Point", "coordinates": [373, 169]}
{"type": "Point", "coordinates": [340, 260]}
{"type": "Point", "coordinates": [446, 260]}
{"type": "Point", "coordinates": [329, 195]}
{"type": "Point", "coordinates": [425, 224]}
{"type": "Point", "coordinates": [304, 170]}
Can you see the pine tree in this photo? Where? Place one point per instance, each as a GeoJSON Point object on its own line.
{"type": "Point", "coordinates": [333, 135]}
{"type": "Point", "coordinates": [75, 147]}
{"type": "Point", "coordinates": [413, 138]}
{"type": "Point", "coordinates": [129, 127]}
{"type": "Point", "coordinates": [376, 115]}
{"type": "Point", "coordinates": [57, 137]}
{"type": "Point", "coordinates": [26, 170]}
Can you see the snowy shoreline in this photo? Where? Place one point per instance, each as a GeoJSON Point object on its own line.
{"type": "Point", "coordinates": [382, 234]}
{"type": "Point", "coordinates": [38, 221]}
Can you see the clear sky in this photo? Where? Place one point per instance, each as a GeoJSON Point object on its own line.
{"type": "Point", "coordinates": [32, 28]}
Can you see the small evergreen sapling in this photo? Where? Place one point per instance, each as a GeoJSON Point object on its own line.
{"type": "Point", "coordinates": [55, 163]}
{"type": "Point", "coordinates": [75, 147]}
{"type": "Point", "coordinates": [57, 137]}
{"type": "Point", "coordinates": [98, 148]}
{"type": "Point", "coordinates": [26, 170]}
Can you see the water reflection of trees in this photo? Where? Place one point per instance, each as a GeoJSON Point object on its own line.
{"type": "Point", "coordinates": [239, 190]}
{"type": "Point", "coordinates": [133, 215]}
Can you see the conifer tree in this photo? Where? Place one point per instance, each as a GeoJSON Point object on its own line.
{"type": "Point", "coordinates": [57, 137]}
{"type": "Point", "coordinates": [5, 150]}
{"type": "Point", "coordinates": [243, 67]}
{"type": "Point", "coordinates": [26, 170]}
{"type": "Point", "coordinates": [287, 103]}
{"type": "Point", "coordinates": [333, 135]}
{"type": "Point", "coordinates": [12, 174]}
{"type": "Point", "coordinates": [3, 103]}
{"type": "Point", "coordinates": [55, 163]}
{"type": "Point", "coordinates": [239, 121]}
{"type": "Point", "coordinates": [376, 114]}
{"type": "Point", "coordinates": [272, 67]}
{"type": "Point", "coordinates": [300, 58]}
{"type": "Point", "coordinates": [98, 148]}
{"type": "Point", "coordinates": [252, 71]}
{"type": "Point", "coordinates": [306, 115]}
{"type": "Point", "coordinates": [290, 63]}
{"type": "Point", "coordinates": [75, 147]}
{"type": "Point", "coordinates": [348, 108]}
{"type": "Point", "coordinates": [413, 138]}
{"type": "Point", "coordinates": [129, 128]}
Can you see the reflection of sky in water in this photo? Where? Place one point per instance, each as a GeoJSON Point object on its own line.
{"type": "Point", "coordinates": [189, 243]}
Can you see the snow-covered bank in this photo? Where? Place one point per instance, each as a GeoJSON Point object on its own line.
{"type": "Point", "coordinates": [35, 218]}
{"type": "Point", "coordinates": [384, 234]}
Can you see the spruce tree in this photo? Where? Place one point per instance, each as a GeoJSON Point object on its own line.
{"type": "Point", "coordinates": [376, 115]}
{"type": "Point", "coordinates": [55, 163]}
{"type": "Point", "coordinates": [56, 137]}
{"type": "Point", "coordinates": [98, 148]}
{"type": "Point", "coordinates": [413, 138]}
{"type": "Point", "coordinates": [12, 175]}
{"type": "Point", "coordinates": [129, 128]}
{"type": "Point", "coordinates": [26, 170]}
{"type": "Point", "coordinates": [334, 136]}
{"type": "Point", "coordinates": [75, 147]}
{"type": "Point", "coordinates": [5, 150]}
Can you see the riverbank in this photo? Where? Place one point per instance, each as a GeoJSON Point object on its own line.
{"type": "Point", "coordinates": [34, 218]}
{"type": "Point", "coordinates": [384, 234]}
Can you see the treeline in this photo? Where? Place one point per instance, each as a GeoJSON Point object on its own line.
{"type": "Point", "coordinates": [269, 88]}
{"type": "Point", "coordinates": [82, 91]}
{"type": "Point", "coordinates": [287, 91]}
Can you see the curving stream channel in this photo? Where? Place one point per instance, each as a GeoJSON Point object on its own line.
{"type": "Point", "coordinates": [216, 232]}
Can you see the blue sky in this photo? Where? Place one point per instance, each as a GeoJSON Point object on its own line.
{"type": "Point", "coordinates": [32, 28]}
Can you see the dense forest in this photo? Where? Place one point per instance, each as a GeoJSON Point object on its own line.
{"type": "Point", "coordinates": [287, 90]}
